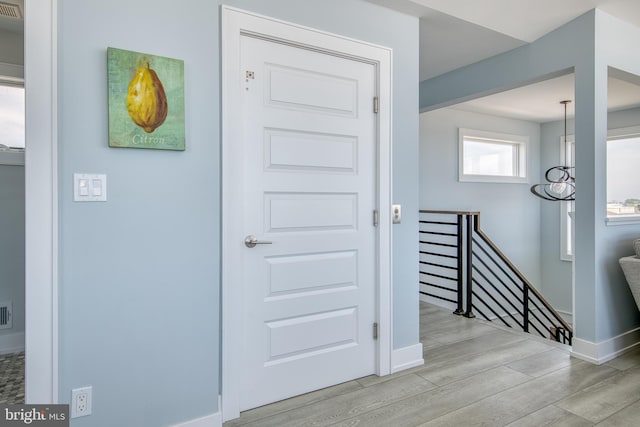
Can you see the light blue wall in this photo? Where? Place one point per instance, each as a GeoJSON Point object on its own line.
{"type": "Point", "coordinates": [139, 274]}
{"type": "Point", "coordinates": [588, 45]}
{"type": "Point", "coordinates": [365, 21]}
{"type": "Point", "coordinates": [12, 248]}
{"type": "Point", "coordinates": [510, 215]}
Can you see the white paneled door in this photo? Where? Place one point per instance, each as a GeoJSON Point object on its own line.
{"type": "Point", "coordinates": [309, 172]}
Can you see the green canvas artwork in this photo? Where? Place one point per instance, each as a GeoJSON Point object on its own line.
{"type": "Point", "coordinates": [146, 100]}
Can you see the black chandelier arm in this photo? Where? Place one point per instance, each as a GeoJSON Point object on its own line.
{"type": "Point", "coordinates": [546, 195]}
{"type": "Point", "coordinates": [564, 171]}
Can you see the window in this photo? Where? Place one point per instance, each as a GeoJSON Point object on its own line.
{"type": "Point", "coordinates": [567, 156]}
{"type": "Point", "coordinates": [623, 175]}
{"type": "Point", "coordinates": [492, 157]}
{"type": "Point", "coordinates": [11, 124]}
{"type": "Point", "coordinates": [12, 116]}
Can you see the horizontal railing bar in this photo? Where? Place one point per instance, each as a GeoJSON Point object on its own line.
{"type": "Point", "coordinates": [439, 265]}
{"type": "Point", "coordinates": [440, 255]}
{"type": "Point", "coordinates": [428, 211]}
{"type": "Point", "coordinates": [446, 245]}
{"type": "Point", "coordinates": [499, 292]}
{"type": "Point", "coordinates": [542, 325]}
{"type": "Point", "coordinates": [444, 288]}
{"type": "Point", "coordinates": [454, 279]}
{"type": "Point", "coordinates": [500, 305]}
{"type": "Point", "coordinates": [439, 297]}
{"type": "Point", "coordinates": [543, 312]}
{"type": "Point", "coordinates": [517, 297]}
{"type": "Point", "coordinates": [490, 309]}
{"type": "Point", "coordinates": [437, 222]}
{"type": "Point", "coordinates": [437, 233]}
{"type": "Point", "coordinates": [496, 264]}
{"type": "Point", "coordinates": [481, 313]}
{"type": "Point", "coordinates": [533, 313]}
{"type": "Point", "coordinates": [538, 330]}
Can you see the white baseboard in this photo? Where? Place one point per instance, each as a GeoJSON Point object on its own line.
{"type": "Point", "coordinates": [213, 420]}
{"type": "Point", "coordinates": [406, 357]}
{"type": "Point", "coordinates": [12, 343]}
{"type": "Point", "coordinates": [599, 353]}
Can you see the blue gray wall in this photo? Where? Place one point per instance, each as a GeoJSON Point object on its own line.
{"type": "Point", "coordinates": [12, 253]}
{"type": "Point", "coordinates": [510, 215]}
{"type": "Point", "coordinates": [139, 274]}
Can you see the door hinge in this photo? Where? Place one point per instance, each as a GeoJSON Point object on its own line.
{"type": "Point", "coordinates": [375, 330]}
{"type": "Point", "coordinates": [376, 104]}
{"type": "Point", "coordinates": [376, 217]}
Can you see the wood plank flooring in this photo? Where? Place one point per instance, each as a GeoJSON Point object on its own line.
{"type": "Point", "coordinates": [475, 374]}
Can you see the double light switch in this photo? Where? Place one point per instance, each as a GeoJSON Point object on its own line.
{"type": "Point", "coordinates": [89, 187]}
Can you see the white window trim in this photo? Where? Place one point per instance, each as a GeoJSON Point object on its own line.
{"type": "Point", "coordinates": [41, 203]}
{"type": "Point", "coordinates": [620, 133]}
{"type": "Point", "coordinates": [522, 143]}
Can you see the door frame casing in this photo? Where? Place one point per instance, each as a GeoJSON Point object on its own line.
{"type": "Point", "coordinates": [41, 202]}
{"type": "Point", "coordinates": [235, 23]}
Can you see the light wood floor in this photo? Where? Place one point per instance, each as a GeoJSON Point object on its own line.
{"type": "Point", "coordinates": [475, 374]}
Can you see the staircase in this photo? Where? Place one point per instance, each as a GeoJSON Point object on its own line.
{"type": "Point", "coordinates": [461, 265]}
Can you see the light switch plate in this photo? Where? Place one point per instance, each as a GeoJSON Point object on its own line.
{"type": "Point", "coordinates": [89, 187]}
{"type": "Point", "coordinates": [396, 214]}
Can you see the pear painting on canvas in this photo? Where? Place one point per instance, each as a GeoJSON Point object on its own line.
{"type": "Point", "coordinates": [146, 100]}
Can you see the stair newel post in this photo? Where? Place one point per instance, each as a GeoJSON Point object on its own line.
{"type": "Point", "coordinates": [468, 266]}
{"type": "Point", "coordinates": [525, 307]}
{"type": "Point", "coordinates": [459, 309]}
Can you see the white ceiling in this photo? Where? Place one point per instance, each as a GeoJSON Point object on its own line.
{"type": "Point", "coordinates": [540, 102]}
{"type": "Point", "coordinates": [456, 33]}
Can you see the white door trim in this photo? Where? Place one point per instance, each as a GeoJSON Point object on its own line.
{"type": "Point", "coordinates": [234, 23]}
{"type": "Point", "coordinates": [41, 202]}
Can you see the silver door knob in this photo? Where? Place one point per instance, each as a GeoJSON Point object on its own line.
{"type": "Point", "coordinates": [251, 241]}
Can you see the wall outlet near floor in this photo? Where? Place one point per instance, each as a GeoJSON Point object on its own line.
{"type": "Point", "coordinates": [81, 402]}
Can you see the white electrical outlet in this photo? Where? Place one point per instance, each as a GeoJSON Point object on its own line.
{"type": "Point", "coordinates": [396, 214]}
{"type": "Point", "coordinates": [81, 402]}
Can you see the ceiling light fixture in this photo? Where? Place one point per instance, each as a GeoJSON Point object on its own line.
{"type": "Point", "coordinates": [560, 185]}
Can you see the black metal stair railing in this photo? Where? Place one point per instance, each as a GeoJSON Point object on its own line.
{"type": "Point", "coordinates": [460, 264]}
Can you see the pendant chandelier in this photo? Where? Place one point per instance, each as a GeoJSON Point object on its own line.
{"type": "Point", "coordinates": [560, 185]}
